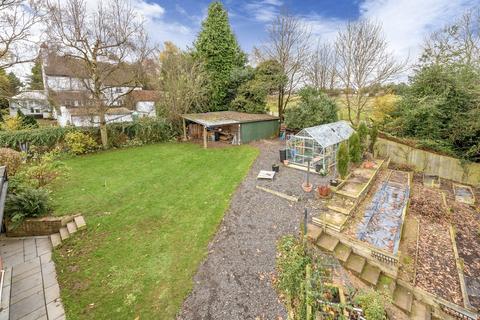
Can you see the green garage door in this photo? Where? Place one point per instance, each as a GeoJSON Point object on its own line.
{"type": "Point", "coordinates": [252, 131]}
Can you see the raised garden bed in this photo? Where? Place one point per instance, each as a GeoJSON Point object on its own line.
{"type": "Point", "coordinates": [436, 270]}
{"type": "Point", "coordinates": [383, 218]}
{"type": "Point", "coordinates": [466, 222]}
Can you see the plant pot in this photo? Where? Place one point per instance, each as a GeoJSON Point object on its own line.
{"type": "Point", "coordinates": [307, 187]}
{"type": "Point", "coordinates": [275, 168]}
{"type": "Point", "coordinates": [285, 162]}
{"type": "Point", "coordinates": [323, 191]}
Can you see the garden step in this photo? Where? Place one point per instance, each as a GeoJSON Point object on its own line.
{"type": "Point", "coordinates": [371, 274]}
{"type": "Point", "coordinates": [386, 284]}
{"type": "Point", "coordinates": [356, 263]}
{"type": "Point", "coordinates": [64, 234]}
{"type": "Point", "coordinates": [56, 239]}
{"type": "Point", "coordinates": [420, 311]}
{"type": "Point", "coordinates": [313, 232]}
{"type": "Point", "coordinates": [72, 227]}
{"type": "Point", "coordinates": [327, 242]}
{"type": "Point", "coordinates": [80, 222]}
{"type": "Point", "coordinates": [342, 252]}
{"type": "Point", "coordinates": [403, 298]}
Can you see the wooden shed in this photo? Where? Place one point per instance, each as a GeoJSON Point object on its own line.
{"type": "Point", "coordinates": [229, 127]}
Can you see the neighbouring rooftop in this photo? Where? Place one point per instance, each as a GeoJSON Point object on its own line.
{"type": "Point", "coordinates": [220, 118]}
{"type": "Point", "coordinates": [31, 95]}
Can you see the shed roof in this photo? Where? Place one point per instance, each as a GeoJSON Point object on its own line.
{"type": "Point", "coordinates": [219, 118]}
{"type": "Point", "coordinates": [330, 133]}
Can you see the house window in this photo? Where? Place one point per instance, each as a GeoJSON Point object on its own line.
{"type": "Point", "coordinates": [37, 110]}
{"type": "Point", "coordinates": [118, 90]}
{"type": "Point", "coordinates": [31, 110]}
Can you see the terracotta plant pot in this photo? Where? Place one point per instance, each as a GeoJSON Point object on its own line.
{"type": "Point", "coordinates": [323, 191]}
{"type": "Point", "coordinates": [307, 187]}
{"type": "Point", "coordinates": [285, 162]}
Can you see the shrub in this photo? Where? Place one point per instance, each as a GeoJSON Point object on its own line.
{"type": "Point", "coordinates": [147, 130]}
{"type": "Point", "coordinates": [27, 203]}
{"type": "Point", "coordinates": [373, 304]}
{"type": "Point", "coordinates": [45, 137]}
{"type": "Point", "coordinates": [27, 121]}
{"type": "Point", "coordinates": [11, 159]}
{"type": "Point", "coordinates": [291, 263]}
{"type": "Point", "coordinates": [41, 172]}
{"type": "Point", "coordinates": [78, 142]}
{"type": "Point", "coordinates": [12, 123]}
{"type": "Point", "coordinates": [355, 149]}
{"type": "Point", "coordinates": [373, 138]}
{"type": "Point", "coordinates": [315, 108]}
{"type": "Point", "coordinates": [343, 159]}
{"type": "Point", "coordinates": [362, 134]}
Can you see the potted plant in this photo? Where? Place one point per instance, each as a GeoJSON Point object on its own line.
{"type": "Point", "coordinates": [323, 189]}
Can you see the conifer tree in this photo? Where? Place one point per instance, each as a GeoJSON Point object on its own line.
{"type": "Point", "coordinates": [217, 47]}
{"type": "Point", "coordinates": [343, 158]}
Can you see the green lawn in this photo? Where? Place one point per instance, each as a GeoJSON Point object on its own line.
{"type": "Point", "coordinates": [150, 212]}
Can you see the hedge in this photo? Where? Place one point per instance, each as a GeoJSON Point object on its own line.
{"type": "Point", "coordinates": [145, 130]}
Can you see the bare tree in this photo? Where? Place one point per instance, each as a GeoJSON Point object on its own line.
{"type": "Point", "coordinates": [182, 83]}
{"type": "Point", "coordinates": [364, 63]}
{"type": "Point", "coordinates": [108, 45]}
{"type": "Point", "coordinates": [320, 71]}
{"type": "Point", "coordinates": [17, 20]}
{"type": "Point", "coordinates": [288, 44]}
{"type": "Point", "coordinates": [457, 42]}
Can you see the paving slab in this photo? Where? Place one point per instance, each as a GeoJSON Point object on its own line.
{"type": "Point", "coordinates": [342, 252]}
{"type": "Point", "coordinates": [403, 298]}
{"type": "Point", "coordinates": [80, 221]}
{"type": "Point", "coordinates": [30, 280]}
{"type": "Point", "coordinates": [371, 274]}
{"type": "Point", "coordinates": [327, 242]}
{"type": "Point", "coordinates": [356, 263]}
{"type": "Point", "coordinates": [55, 310]}
{"type": "Point", "coordinates": [26, 306]}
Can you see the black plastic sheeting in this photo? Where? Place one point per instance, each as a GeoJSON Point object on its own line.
{"type": "Point", "coordinates": [382, 223]}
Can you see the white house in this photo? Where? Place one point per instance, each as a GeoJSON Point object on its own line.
{"type": "Point", "coordinates": [33, 103]}
{"type": "Point", "coordinates": [66, 82]}
{"type": "Point", "coordinates": [143, 102]}
{"type": "Point", "coordinates": [84, 117]}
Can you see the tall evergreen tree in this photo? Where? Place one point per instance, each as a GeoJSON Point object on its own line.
{"type": "Point", "coordinates": [35, 80]}
{"type": "Point", "coordinates": [218, 48]}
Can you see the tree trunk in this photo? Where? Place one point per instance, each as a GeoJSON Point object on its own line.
{"type": "Point", "coordinates": [280, 106]}
{"type": "Point", "coordinates": [103, 130]}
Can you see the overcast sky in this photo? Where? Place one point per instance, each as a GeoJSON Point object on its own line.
{"type": "Point", "coordinates": [405, 22]}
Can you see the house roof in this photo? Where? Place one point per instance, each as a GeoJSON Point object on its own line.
{"type": "Point", "coordinates": [144, 95]}
{"type": "Point", "coordinates": [211, 119]}
{"type": "Point", "coordinates": [31, 95]}
{"type": "Point", "coordinates": [329, 134]}
{"type": "Point", "coordinates": [113, 75]}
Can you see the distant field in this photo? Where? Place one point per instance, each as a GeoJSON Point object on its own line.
{"type": "Point", "coordinates": [342, 112]}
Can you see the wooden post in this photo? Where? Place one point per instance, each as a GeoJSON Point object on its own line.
{"type": "Point", "coordinates": [184, 130]}
{"type": "Point", "coordinates": [205, 137]}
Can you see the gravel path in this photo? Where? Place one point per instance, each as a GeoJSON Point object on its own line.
{"type": "Point", "coordinates": [234, 282]}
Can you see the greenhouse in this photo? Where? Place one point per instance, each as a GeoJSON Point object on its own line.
{"type": "Point", "coordinates": [317, 146]}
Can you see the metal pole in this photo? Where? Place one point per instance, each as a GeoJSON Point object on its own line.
{"type": "Point", "coordinates": [305, 219]}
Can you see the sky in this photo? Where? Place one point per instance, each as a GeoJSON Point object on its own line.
{"type": "Point", "coordinates": [406, 23]}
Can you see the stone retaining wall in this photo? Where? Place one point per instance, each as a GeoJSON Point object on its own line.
{"type": "Point", "coordinates": [429, 162]}
{"type": "Point", "coordinates": [37, 226]}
